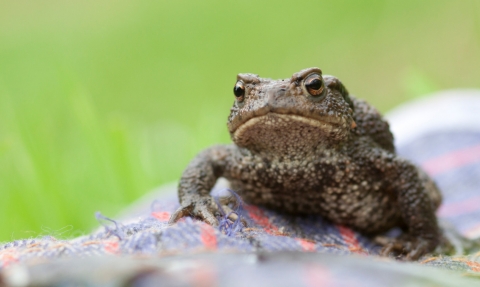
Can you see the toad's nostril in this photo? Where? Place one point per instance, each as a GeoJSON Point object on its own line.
{"type": "Point", "coordinates": [271, 97]}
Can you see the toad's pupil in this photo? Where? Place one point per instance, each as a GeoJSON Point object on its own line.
{"type": "Point", "coordinates": [238, 90]}
{"type": "Point", "coordinates": [314, 84]}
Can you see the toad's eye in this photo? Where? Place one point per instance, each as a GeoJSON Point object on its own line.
{"type": "Point", "coordinates": [314, 85]}
{"type": "Point", "coordinates": [239, 91]}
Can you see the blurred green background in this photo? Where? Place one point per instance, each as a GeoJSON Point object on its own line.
{"type": "Point", "coordinates": [101, 101]}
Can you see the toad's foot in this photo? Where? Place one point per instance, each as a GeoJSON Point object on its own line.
{"type": "Point", "coordinates": [205, 208]}
{"type": "Point", "coordinates": [405, 247]}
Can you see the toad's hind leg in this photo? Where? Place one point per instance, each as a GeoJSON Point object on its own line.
{"type": "Point", "coordinates": [430, 187]}
{"type": "Point", "coordinates": [416, 205]}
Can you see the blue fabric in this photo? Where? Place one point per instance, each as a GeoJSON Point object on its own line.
{"type": "Point", "coordinates": [451, 157]}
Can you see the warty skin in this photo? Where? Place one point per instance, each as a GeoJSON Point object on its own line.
{"type": "Point", "coordinates": [305, 146]}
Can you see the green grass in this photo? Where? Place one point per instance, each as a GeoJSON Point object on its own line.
{"type": "Point", "coordinates": [101, 101]}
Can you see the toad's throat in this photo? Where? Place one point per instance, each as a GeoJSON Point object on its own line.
{"type": "Point", "coordinates": [286, 133]}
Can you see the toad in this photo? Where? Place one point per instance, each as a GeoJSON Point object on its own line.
{"type": "Point", "coordinates": [304, 145]}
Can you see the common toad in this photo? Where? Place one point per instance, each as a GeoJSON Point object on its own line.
{"type": "Point", "coordinates": [305, 146]}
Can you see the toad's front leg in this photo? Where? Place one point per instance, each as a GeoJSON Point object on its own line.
{"type": "Point", "coordinates": [197, 181]}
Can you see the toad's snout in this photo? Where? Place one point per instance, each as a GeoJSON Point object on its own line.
{"type": "Point", "coordinates": [277, 97]}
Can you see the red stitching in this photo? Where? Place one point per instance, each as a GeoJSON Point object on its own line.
{"type": "Point", "coordinates": [208, 237]}
{"type": "Point", "coordinates": [306, 245]}
{"type": "Point", "coordinates": [350, 239]}
{"type": "Point", "coordinates": [161, 215]}
{"type": "Point", "coordinates": [451, 160]}
{"type": "Point", "coordinates": [257, 215]}
{"type": "Point", "coordinates": [111, 246]}
{"type": "Point", "coordinates": [475, 266]}
{"type": "Point", "coordinates": [461, 207]}
{"type": "Point", "coordinates": [7, 257]}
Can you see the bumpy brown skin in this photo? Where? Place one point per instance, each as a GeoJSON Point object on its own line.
{"type": "Point", "coordinates": [329, 154]}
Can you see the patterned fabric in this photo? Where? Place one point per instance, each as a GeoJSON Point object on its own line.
{"type": "Point", "coordinates": [452, 158]}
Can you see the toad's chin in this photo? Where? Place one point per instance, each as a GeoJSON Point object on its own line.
{"type": "Point", "coordinates": [287, 133]}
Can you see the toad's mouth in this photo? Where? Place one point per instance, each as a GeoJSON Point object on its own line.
{"type": "Point", "coordinates": [269, 119]}
{"type": "Point", "coordinates": [274, 128]}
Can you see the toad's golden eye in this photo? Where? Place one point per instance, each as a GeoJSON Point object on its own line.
{"type": "Point", "coordinates": [314, 85]}
{"type": "Point", "coordinates": [239, 90]}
